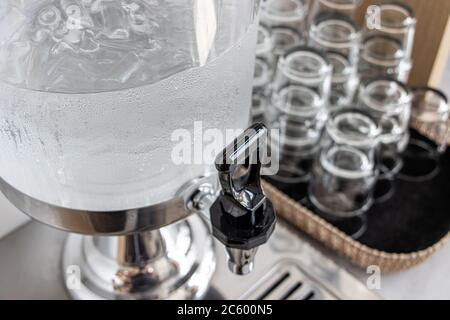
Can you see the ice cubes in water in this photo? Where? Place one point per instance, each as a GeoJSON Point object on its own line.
{"type": "Point", "coordinates": [88, 43]}
{"type": "Point", "coordinates": [105, 44]}
{"type": "Point", "coordinates": [126, 69]}
{"type": "Point", "coordinates": [114, 19]}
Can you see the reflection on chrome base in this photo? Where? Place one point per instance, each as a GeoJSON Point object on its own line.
{"type": "Point", "coordinates": [175, 262]}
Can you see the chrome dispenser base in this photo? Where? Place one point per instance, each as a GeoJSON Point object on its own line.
{"type": "Point", "coordinates": [175, 262]}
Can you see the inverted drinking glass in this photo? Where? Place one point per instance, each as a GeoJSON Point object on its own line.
{"type": "Point", "coordinates": [383, 56]}
{"type": "Point", "coordinates": [342, 182]}
{"type": "Point", "coordinates": [345, 7]}
{"type": "Point", "coordinates": [389, 102]}
{"type": "Point", "coordinates": [395, 19]}
{"type": "Point", "coordinates": [430, 116]}
{"type": "Point", "coordinates": [287, 13]}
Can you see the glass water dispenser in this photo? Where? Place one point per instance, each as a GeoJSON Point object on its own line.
{"type": "Point", "coordinates": [94, 94]}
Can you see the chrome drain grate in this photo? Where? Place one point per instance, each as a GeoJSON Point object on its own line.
{"type": "Point", "coordinates": [289, 268]}
{"type": "Point", "coordinates": [287, 281]}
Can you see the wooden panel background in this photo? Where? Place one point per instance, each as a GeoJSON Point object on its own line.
{"type": "Point", "coordinates": [432, 42]}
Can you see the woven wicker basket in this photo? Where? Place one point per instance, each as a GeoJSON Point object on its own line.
{"type": "Point", "coordinates": [359, 254]}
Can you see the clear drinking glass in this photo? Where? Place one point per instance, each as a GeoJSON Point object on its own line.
{"type": "Point", "coordinates": [299, 114]}
{"type": "Point", "coordinates": [265, 44]}
{"type": "Point", "coordinates": [298, 109]}
{"type": "Point", "coordinates": [261, 89]}
{"type": "Point", "coordinates": [342, 182]}
{"type": "Point", "coordinates": [92, 91]}
{"type": "Point", "coordinates": [345, 7]}
{"type": "Point", "coordinates": [344, 81]}
{"type": "Point", "coordinates": [394, 19]}
{"type": "Point", "coordinates": [262, 77]}
{"type": "Point", "coordinates": [430, 116]}
{"type": "Point", "coordinates": [264, 70]}
{"type": "Point", "coordinates": [308, 67]}
{"type": "Point", "coordinates": [284, 39]}
{"type": "Point", "coordinates": [353, 127]}
{"type": "Point", "coordinates": [348, 127]}
{"type": "Point", "coordinates": [338, 36]}
{"type": "Point", "coordinates": [286, 13]}
{"type": "Point", "coordinates": [383, 56]}
{"type": "Point", "coordinates": [259, 106]}
{"type": "Point", "coordinates": [389, 102]}
{"type": "Point", "coordinates": [337, 33]}
{"type": "Point", "coordinates": [295, 157]}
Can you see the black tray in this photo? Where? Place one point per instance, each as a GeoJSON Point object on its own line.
{"type": "Point", "coordinates": [415, 218]}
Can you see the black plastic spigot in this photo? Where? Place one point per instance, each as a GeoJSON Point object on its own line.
{"type": "Point", "coordinates": [242, 217]}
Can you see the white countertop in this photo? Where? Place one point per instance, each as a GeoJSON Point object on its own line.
{"type": "Point", "coordinates": [429, 280]}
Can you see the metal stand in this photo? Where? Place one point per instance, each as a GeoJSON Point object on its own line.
{"type": "Point", "coordinates": [175, 262]}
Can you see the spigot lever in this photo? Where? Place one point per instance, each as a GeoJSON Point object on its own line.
{"type": "Point", "coordinates": [242, 217]}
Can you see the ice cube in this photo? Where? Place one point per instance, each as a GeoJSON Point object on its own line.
{"type": "Point", "coordinates": [59, 34]}
{"type": "Point", "coordinates": [106, 57]}
{"type": "Point", "coordinates": [78, 16]}
{"type": "Point", "coordinates": [63, 47]}
{"type": "Point", "coordinates": [131, 7]}
{"type": "Point", "coordinates": [41, 35]}
{"type": "Point", "coordinates": [139, 23]}
{"type": "Point", "coordinates": [73, 36]}
{"type": "Point", "coordinates": [96, 6]}
{"type": "Point", "coordinates": [114, 20]}
{"type": "Point", "coordinates": [88, 42]}
{"type": "Point", "coordinates": [126, 69]}
{"type": "Point", "coordinates": [50, 17]}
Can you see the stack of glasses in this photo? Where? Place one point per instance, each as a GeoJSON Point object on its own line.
{"type": "Point", "coordinates": [337, 94]}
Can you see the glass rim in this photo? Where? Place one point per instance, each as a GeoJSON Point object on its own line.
{"type": "Point", "coordinates": [341, 6]}
{"type": "Point", "coordinates": [284, 30]}
{"type": "Point", "coordinates": [364, 141]}
{"type": "Point", "coordinates": [367, 167]}
{"type": "Point", "coordinates": [348, 69]}
{"type": "Point", "coordinates": [409, 21]}
{"type": "Point", "coordinates": [436, 91]}
{"type": "Point", "coordinates": [295, 15]}
{"type": "Point", "coordinates": [405, 99]}
{"type": "Point", "coordinates": [325, 69]}
{"type": "Point", "coordinates": [386, 61]}
{"type": "Point", "coordinates": [336, 19]}
{"type": "Point", "coordinates": [443, 109]}
{"type": "Point", "coordinates": [312, 110]}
